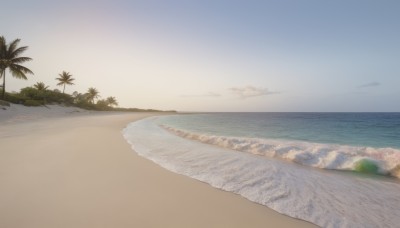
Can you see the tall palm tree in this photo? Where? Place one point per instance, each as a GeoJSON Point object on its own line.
{"type": "Point", "coordinates": [112, 101]}
{"type": "Point", "coordinates": [40, 86]}
{"type": "Point", "coordinates": [65, 79]}
{"type": "Point", "coordinates": [92, 94]}
{"type": "Point", "coordinates": [10, 59]}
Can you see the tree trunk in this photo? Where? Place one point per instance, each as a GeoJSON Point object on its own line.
{"type": "Point", "coordinates": [4, 84]}
{"type": "Point", "coordinates": [64, 88]}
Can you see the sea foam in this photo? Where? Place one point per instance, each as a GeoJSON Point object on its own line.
{"type": "Point", "coordinates": [385, 161]}
{"type": "Point", "coordinates": [326, 198]}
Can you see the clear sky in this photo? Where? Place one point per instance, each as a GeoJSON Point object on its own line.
{"type": "Point", "coordinates": [215, 55]}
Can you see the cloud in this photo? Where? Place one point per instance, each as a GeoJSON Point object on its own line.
{"type": "Point", "coordinates": [209, 94]}
{"type": "Point", "coordinates": [250, 91]}
{"type": "Point", "coordinates": [241, 92]}
{"type": "Point", "coordinates": [371, 84]}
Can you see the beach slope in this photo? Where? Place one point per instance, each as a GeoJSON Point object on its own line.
{"type": "Point", "coordinates": [78, 171]}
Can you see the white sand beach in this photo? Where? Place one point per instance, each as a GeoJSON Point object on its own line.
{"type": "Point", "coordinates": [66, 167]}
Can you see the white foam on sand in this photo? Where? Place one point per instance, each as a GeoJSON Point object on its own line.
{"type": "Point", "coordinates": [326, 198]}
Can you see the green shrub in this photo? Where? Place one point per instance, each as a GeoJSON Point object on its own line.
{"type": "Point", "coordinates": [33, 103]}
{"type": "Point", "coordinates": [102, 105]}
{"type": "Point", "coordinates": [47, 96]}
{"type": "Point", "coordinates": [33, 93]}
{"type": "Point", "coordinates": [85, 105]}
{"type": "Point", "coordinates": [57, 97]}
{"type": "Point", "coordinates": [15, 98]}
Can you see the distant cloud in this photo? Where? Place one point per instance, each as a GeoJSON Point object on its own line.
{"type": "Point", "coordinates": [209, 94]}
{"type": "Point", "coordinates": [371, 84]}
{"type": "Point", "coordinates": [250, 91]}
{"type": "Point", "coordinates": [241, 92]}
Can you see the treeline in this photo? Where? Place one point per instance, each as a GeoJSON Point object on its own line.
{"type": "Point", "coordinates": [139, 110]}
{"type": "Point", "coordinates": [40, 94]}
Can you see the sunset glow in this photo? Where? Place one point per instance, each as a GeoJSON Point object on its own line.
{"type": "Point", "coordinates": [201, 55]}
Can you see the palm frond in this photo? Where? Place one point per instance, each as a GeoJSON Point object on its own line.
{"type": "Point", "coordinates": [20, 68]}
{"type": "Point", "coordinates": [15, 53]}
{"type": "Point", "coordinates": [18, 74]}
{"type": "Point", "coordinates": [21, 59]}
{"type": "Point", "coordinates": [40, 86]}
{"type": "Point", "coordinates": [13, 45]}
{"type": "Point", "coordinates": [2, 40]}
{"type": "Point", "coordinates": [3, 47]}
{"type": "Point", "coordinates": [65, 78]}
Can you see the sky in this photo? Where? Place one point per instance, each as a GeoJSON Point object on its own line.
{"type": "Point", "coordinates": [216, 55]}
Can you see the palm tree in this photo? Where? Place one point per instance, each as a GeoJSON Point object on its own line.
{"type": "Point", "coordinates": [65, 79]}
{"type": "Point", "coordinates": [92, 94]}
{"type": "Point", "coordinates": [40, 86]}
{"type": "Point", "coordinates": [111, 101]}
{"type": "Point", "coordinates": [75, 94]}
{"type": "Point", "coordinates": [9, 58]}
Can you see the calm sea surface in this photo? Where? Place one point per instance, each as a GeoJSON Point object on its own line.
{"type": "Point", "coordinates": [357, 129]}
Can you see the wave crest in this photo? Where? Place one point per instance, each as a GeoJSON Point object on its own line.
{"type": "Point", "coordinates": [384, 161]}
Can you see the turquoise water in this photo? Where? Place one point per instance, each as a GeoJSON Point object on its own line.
{"type": "Point", "coordinates": [376, 130]}
{"type": "Point", "coordinates": [285, 160]}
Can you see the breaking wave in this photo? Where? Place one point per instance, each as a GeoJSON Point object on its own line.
{"type": "Point", "coordinates": [384, 161]}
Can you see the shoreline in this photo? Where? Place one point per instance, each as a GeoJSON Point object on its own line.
{"type": "Point", "coordinates": [80, 172]}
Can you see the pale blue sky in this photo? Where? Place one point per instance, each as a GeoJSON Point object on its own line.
{"type": "Point", "coordinates": [283, 55]}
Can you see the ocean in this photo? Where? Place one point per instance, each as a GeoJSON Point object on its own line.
{"type": "Point", "coordinates": [331, 169]}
